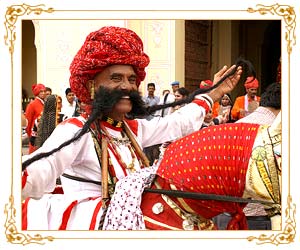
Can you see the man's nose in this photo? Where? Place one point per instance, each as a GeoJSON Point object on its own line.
{"type": "Point", "coordinates": [125, 84]}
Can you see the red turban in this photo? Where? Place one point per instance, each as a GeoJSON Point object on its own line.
{"type": "Point", "coordinates": [107, 46]}
{"type": "Point", "coordinates": [251, 83]}
{"type": "Point", "coordinates": [205, 84]}
{"type": "Point", "coordinates": [37, 88]}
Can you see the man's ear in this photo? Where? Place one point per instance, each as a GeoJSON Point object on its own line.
{"type": "Point", "coordinates": [90, 83]}
{"type": "Point", "coordinates": [91, 87]}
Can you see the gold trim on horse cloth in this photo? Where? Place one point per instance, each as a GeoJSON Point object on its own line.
{"type": "Point", "coordinates": [190, 217]}
{"type": "Point", "coordinates": [262, 175]}
{"type": "Point", "coordinates": [273, 167]}
{"type": "Point", "coordinates": [146, 218]}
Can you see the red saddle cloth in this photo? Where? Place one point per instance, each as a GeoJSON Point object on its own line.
{"type": "Point", "coordinates": [213, 160]}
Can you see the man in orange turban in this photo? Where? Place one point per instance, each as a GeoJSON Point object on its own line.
{"type": "Point", "coordinates": [244, 105]}
{"type": "Point", "coordinates": [92, 152]}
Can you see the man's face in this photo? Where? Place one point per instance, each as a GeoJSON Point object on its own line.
{"type": "Point", "coordinates": [118, 77]}
{"type": "Point", "coordinates": [48, 92]}
{"type": "Point", "coordinates": [251, 92]}
{"type": "Point", "coordinates": [175, 87]}
{"type": "Point", "coordinates": [42, 94]}
{"type": "Point", "coordinates": [70, 97]}
{"type": "Point", "coordinates": [151, 90]}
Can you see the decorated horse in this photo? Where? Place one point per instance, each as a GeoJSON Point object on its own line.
{"type": "Point", "coordinates": [214, 170]}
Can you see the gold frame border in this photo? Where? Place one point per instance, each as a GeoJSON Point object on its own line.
{"type": "Point", "coordinates": [15, 11]}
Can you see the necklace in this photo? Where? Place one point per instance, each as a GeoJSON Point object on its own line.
{"type": "Point", "coordinates": [113, 142]}
{"type": "Point", "coordinates": [120, 141]}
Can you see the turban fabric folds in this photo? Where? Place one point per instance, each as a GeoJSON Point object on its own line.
{"type": "Point", "coordinates": [108, 46]}
{"type": "Point", "coordinates": [251, 83]}
{"type": "Point", "coordinates": [37, 88]}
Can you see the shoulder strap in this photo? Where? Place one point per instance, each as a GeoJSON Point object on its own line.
{"type": "Point", "coordinates": [165, 100]}
{"type": "Point", "coordinates": [136, 146]}
{"type": "Point", "coordinates": [99, 153]}
{"type": "Point", "coordinates": [77, 107]}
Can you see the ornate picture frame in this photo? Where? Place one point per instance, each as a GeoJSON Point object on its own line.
{"type": "Point", "coordinates": [13, 14]}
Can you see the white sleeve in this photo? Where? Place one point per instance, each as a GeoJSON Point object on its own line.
{"type": "Point", "coordinates": [42, 174]}
{"type": "Point", "coordinates": [184, 121]}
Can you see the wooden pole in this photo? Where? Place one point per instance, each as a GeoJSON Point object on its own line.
{"type": "Point", "coordinates": [104, 169]}
{"type": "Point", "coordinates": [137, 147]}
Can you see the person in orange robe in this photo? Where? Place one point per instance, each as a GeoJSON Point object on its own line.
{"type": "Point", "coordinates": [33, 112]}
{"type": "Point", "coordinates": [223, 107]}
{"type": "Point", "coordinates": [244, 105]}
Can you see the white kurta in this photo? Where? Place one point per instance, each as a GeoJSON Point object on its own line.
{"type": "Point", "coordinates": [48, 211]}
{"type": "Point", "coordinates": [68, 109]}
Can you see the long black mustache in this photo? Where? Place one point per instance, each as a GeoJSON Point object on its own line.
{"type": "Point", "coordinates": [105, 100]}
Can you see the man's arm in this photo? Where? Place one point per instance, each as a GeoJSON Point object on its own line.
{"type": "Point", "coordinates": [237, 108]}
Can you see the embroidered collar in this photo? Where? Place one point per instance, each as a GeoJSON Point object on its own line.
{"type": "Point", "coordinates": [113, 123]}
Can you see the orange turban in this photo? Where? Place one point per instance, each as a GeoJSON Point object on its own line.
{"type": "Point", "coordinates": [251, 83]}
{"type": "Point", "coordinates": [37, 88]}
{"type": "Point", "coordinates": [205, 84]}
{"type": "Point", "coordinates": [102, 48]}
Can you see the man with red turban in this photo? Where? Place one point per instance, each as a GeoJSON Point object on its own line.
{"type": "Point", "coordinates": [90, 153]}
{"type": "Point", "coordinates": [204, 84]}
{"type": "Point", "coordinates": [244, 105]}
{"type": "Point", "coordinates": [33, 112]}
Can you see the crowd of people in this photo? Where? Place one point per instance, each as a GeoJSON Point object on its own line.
{"type": "Point", "coordinates": [44, 112]}
{"type": "Point", "coordinates": [106, 130]}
